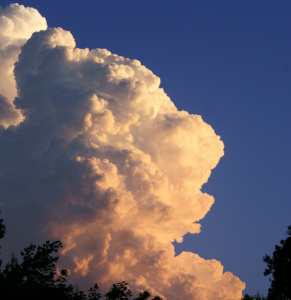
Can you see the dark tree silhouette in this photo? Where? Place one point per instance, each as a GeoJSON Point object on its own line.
{"type": "Point", "coordinates": [2, 229]}
{"type": "Point", "coordinates": [2, 234]}
{"type": "Point", "coordinates": [36, 278]}
{"type": "Point", "coordinates": [94, 293]}
{"type": "Point", "coordinates": [146, 295]}
{"type": "Point", "coordinates": [254, 297]}
{"type": "Point", "coordinates": [119, 291]}
{"type": "Point", "coordinates": [143, 296]}
{"type": "Point", "coordinates": [279, 266]}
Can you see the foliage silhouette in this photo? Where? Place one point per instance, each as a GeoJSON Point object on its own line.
{"type": "Point", "coordinates": [146, 295]}
{"type": "Point", "coordinates": [143, 296]}
{"type": "Point", "coordinates": [2, 234]}
{"type": "Point", "coordinates": [36, 278]}
{"type": "Point", "coordinates": [279, 266]}
{"type": "Point", "coordinates": [254, 297]}
{"type": "Point", "coordinates": [119, 291]}
{"type": "Point", "coordinates": [94, 293]}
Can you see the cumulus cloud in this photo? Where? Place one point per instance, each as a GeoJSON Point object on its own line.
{"type": "Point", "coordinates": [105, 162]}
{"type": "Point", "coordinates": [17, 24]}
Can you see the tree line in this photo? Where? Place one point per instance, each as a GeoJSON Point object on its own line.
{"type": "Point", "coordinates": [36, 276]}
{"type": "Point", "coordinates": [279, 267]}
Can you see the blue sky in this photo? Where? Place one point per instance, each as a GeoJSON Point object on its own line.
{"type": "Point", "coordinates": [230, 62]}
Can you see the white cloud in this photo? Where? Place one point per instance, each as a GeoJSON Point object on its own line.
{"type": "Point", "coordinates": [17, 24]}
{"type": "Point", "coordinates": [106, 163]}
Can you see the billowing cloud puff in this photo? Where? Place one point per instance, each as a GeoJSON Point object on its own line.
{"type": "Point", "coordinates": [17, 24]}
{"type": "Point", "coordinates": [105, 162]}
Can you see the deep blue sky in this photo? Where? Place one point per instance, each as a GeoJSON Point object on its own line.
{"type": "Point", "coordinates": [230, 62]}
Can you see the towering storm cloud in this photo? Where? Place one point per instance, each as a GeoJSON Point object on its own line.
{"type": "Point", "coordinates": [105, 162]}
